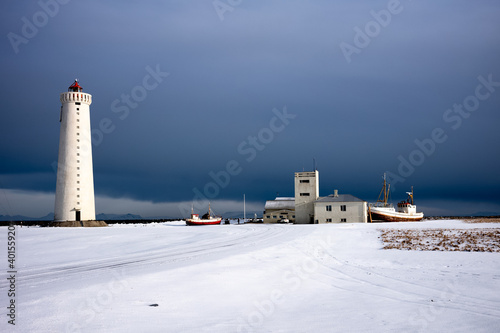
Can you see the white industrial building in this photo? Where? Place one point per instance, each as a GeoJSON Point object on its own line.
{"type": "Point", "coordinates": [306, 193]}
{"type": "Point", "coordinates": [309, 208]}
{"type": "Point", "coordinates": [340, 208]}
{"type": "Point", "coordinates": [279, 210]}
{"type": "Point", "coordinates": [75, 180]}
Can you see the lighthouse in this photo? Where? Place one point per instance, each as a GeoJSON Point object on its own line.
{"type": "Point", "coordinates": [75, 178]}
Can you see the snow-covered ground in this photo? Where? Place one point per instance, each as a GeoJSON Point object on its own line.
{"type": "Point", "coordinates": [245, 278]}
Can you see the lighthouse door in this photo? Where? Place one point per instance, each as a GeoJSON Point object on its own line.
{"type": "Point", "coordinates": [78, 215]}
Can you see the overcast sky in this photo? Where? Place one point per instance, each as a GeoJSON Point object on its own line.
{"type": "Point", "coordinates": [249, 92]}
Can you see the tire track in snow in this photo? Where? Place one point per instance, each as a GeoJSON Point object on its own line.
{"type": "Point", "coordinates": [347, 272]}
{"type": "Point", "coordinates": [244, 239]}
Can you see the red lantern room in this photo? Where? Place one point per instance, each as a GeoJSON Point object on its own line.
{"type": "Point", "coordinates": [75, 87]}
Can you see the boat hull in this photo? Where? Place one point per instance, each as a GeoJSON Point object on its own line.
{"type": "Point", "coordinates": [203, 222]}
{"type": "Point", "coordinates": [394, 216]}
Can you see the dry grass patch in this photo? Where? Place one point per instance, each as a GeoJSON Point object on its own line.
{"type": "Point", "coordinates": [470, 240]}
{"type": "Point", "coordinates": [483, 220]}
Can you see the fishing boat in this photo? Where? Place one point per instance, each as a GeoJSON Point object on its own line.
{"type": "Point", "coordinates": [385, 211]}
{"type": "Point", "coordinates": [206, 219]}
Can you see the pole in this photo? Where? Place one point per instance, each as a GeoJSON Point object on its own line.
{"type": "Point", "coordinates": [244, 208]}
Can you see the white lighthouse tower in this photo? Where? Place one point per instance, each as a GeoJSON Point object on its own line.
{"type": "Point", "coordinates": [75, 179]}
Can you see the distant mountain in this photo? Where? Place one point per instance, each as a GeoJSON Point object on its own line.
{"type": "Point", "coordinates": [48, 217]}
{"type": "Point", "coordinates": [128, 216]}
{"type": "Point", "coordinates": [486, 214]}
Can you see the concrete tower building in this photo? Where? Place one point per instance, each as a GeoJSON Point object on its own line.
{"type": "Point", "coordinates": [306, 193]}
{"type": "Point", "coordinates": [75, 179]}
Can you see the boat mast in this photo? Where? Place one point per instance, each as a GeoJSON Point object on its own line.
{"type": "Point", "coordinates": [385, 192]}
{"type": "Point", "coordinates": [244, 208]}
{"type": "Point", "coordinates": [388, 191]}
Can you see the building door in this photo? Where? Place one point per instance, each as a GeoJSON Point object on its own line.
{"type": "Point", "coordinates": [78, 215]}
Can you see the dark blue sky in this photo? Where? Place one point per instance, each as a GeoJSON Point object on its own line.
{"type": "Point", "coordinates": [183, 90]}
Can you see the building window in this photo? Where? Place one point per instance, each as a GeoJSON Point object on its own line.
{"type": "Point", "coordinates": [304, 180]}
{"type": "Point", "coordinates": [329, 208]}
{"type": "Point", "coordinates": [268, 216]}
{"type": "Point", "coordinates": [328, 220]}
{"type": "Point", "coordinates": [304, 194]}
{"type": "Point", "coordinates": [343, 208]}
{"type": "Point", "coordinates": [293, 216]}
{"type": "Point", "coordinates": [343, 220]}
{"type": "Point", "coordinates": [274, 216]}
{"type": "Point", "coordinates": [281, 216]}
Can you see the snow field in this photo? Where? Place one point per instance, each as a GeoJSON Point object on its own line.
{"type": "Point", "coordinates": [248, 278]}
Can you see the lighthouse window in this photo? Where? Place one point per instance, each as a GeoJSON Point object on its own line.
{"type": "Point", "coordinates": [78, 182]}
{"type": "Point", "coordinates": [77, 203]}
{"type": "Point", "coordinates": [78, 195]}
{"type": "Point", "coordinates": [304, 194]}
{"type": "Point", "coordinates": [77, 109]}
{"type": "Point", "coordinates": [77, 168]}
{"type": "Point", "coordinates": [78, 175]}
{"type": "Point", "coordinates": [78, 189]}
{"type": "Point", "coordinates": [78, 113]}
{"type": "Point", "coordinates": [77, 103]}
{"type": "Point", "coordinates": [77, 133]}
{"type": "Point", "coordinates": [77, 154]}
{"type": "Point", "coordinates": [304, 180]}
{"type": "Point", "coordinates": [77, 127]}
{"type": "Point", "coordinates": [78, 120]}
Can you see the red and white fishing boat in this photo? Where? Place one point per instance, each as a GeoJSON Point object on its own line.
{"type": "Point", "coordinates": [384, 211]}
{"type": "Point", "coordinates": [206, 219]}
